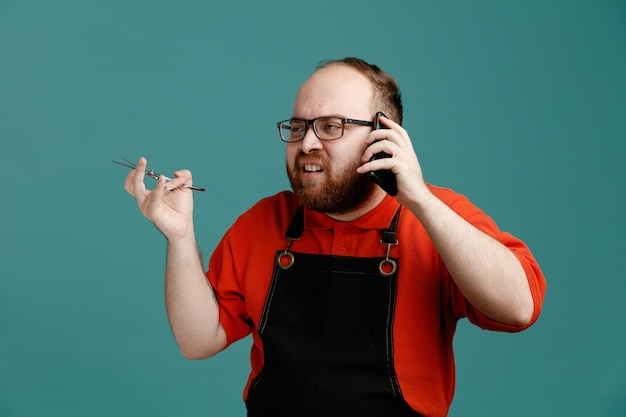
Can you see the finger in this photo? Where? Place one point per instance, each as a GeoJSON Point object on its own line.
{"type": "Point", "coordinates": [151, 204]}
{"type": "Point", "coordinates": [375, 165]}
{"type": "Point", "coordinates": [182, 177]}
{"type": "Point", "coordinates": [128, 183]}
{"type": "Point", "coordinates": [159, 190]}
{"type": "Point", "coordinates": [134, 183]}
{"type": "Point", "coordinates": [389, 123]}
{"type": "Point", "coordinates": [139, 173]}
{"type": "Point", "coordinates": [378, 146]}
{"type": "Point", "coordinates": [390, 126]}
{"type": "Point", "coordinates": [373, 160]}
{"type": "Point", "coordinates": [382, 135]}
{"type": "Point", "coordinates": [183, 173]}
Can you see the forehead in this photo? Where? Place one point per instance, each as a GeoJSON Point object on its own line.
{"type": "Point", "coordinates": [336, 90]}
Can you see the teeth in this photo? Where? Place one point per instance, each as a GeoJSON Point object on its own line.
{"type": "Point", "coordinates": [312, 168]}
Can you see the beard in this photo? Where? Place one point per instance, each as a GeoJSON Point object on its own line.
{"type": "Point", "coordinates": [339, 193]}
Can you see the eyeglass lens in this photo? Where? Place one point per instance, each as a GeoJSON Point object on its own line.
{"type": "Point", "coordinates": [326, 128]}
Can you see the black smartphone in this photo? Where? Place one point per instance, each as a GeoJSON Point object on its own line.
{"type": "Point", "coordinates": [384, 177]}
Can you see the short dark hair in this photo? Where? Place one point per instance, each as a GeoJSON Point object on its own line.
{"type": "Point", "coordinates": [387, 97]}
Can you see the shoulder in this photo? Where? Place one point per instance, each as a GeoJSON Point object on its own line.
{"type": "Point", "coordinates": [277, 205]}
{"type": "Point", "coordinates": [456, 201]}
{"type": "Point", "coordinates": [446, 195]}
{"type": "Point", "coordinates": [270, 212]}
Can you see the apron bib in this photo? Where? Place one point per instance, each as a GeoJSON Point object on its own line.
{"type": "Point", "coordinates": [327, 332]}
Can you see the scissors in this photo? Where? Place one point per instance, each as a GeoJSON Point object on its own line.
{"type": "Point", "coordinates": [154, 175]}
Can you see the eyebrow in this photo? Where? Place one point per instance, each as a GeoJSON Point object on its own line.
{"type": "Point", "coordinates": [339, 116]}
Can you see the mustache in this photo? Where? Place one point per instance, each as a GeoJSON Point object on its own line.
{"type": "Point", "coordinates": [315, 156]}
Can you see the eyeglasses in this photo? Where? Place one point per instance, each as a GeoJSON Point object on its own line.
{"type": "Point", "coordinates": [325, 128]}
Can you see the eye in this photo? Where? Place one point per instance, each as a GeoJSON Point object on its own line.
{"type": "Point", "coordinates": [297, 127]}
{"type": "Point", "coordinates": [331, 126]}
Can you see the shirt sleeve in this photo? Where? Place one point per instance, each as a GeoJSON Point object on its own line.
{"type": "Point", "coordinates": [536, 280]}
{"type": "Point", "coordinates": [228, 292]}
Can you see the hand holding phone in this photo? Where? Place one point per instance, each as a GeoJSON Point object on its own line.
{"type": "Point", "coordinates": [385, 178]}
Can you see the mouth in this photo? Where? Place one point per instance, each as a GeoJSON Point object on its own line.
{"type": "Point", "coordinates": [311, 171]}
{"type": "Point", "coordinates": [310, 168]}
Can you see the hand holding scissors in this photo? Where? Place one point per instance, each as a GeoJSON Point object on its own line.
{"type": "Point", "coordinates": [156, 176]}
{"type": "Point", "coordinates": [171, 212]}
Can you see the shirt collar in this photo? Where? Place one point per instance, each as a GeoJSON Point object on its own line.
{"type": "Point", "coordinates": [378, 218]}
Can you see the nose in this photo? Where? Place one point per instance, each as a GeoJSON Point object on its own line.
{"type": "Point", "coordinates": [310, 142]}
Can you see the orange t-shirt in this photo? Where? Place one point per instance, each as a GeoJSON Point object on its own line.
{"type": "Point", "coordinates": [428, 302]}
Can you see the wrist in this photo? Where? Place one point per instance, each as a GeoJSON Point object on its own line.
{"type": "Point", "coordinates": [422, 201]}
{"type": "Point", "coordinates": [183, 238]}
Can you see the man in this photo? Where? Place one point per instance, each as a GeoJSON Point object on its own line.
{"type": "Point", "coordinates": [353, 300]}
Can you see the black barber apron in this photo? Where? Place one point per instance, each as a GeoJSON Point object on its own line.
{"type": "Point", "coordinates": [327, 332]}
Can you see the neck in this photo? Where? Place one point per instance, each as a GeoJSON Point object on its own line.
{"type": "Point", "coordinates": [377, 196]}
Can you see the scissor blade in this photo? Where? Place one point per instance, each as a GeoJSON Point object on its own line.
{"type": "Point", "coordinates": [129, 162]}
{"type": "Point", "coordinates": [130, 165]}
{"type": "Point", "coordinates": [126, 164]}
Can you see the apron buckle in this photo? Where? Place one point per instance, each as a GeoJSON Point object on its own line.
{"type": "Point", "coordinates": [286, 259]}
{"type": "Point", "coordinates": [387, 266]}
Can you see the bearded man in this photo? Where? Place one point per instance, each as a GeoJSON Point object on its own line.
{"type": "Point", "coordinates": [351, 294]}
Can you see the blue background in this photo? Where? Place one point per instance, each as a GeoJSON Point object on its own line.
{"type": "Point", "coordinates": [519, 105]}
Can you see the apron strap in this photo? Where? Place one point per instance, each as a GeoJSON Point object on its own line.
{"type": "Point", "coordinates": [296, 227]}
{"type": "Point", "coordinates": [388, 266]}
{"type": "Point", "coordinates": [389, 235]}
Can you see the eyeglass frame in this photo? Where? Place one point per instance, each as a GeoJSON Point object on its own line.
{"type": "Point", "coordinates": [311, 122]}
